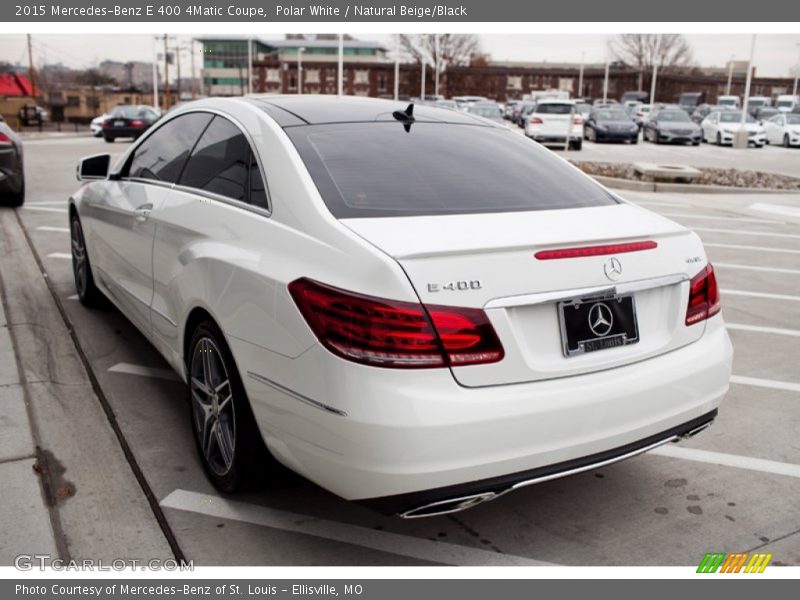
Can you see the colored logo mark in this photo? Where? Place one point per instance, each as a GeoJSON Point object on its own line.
{"type": "Point", "coordinates": [738, 562]}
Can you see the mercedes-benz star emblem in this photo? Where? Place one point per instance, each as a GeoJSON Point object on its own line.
{"type": "Point", "coordinates": [601, 319]}
{"type": "Point", "coordinates": [613, 268]}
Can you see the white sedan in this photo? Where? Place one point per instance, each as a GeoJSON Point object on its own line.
{"type": "Point", "coordinates": [96, 126]}
{"type": "Point", "coordinates": [551, 121]}
{"type": "Point", "coordinates": [412, 307]}
{"type": "Point", "coordinates": [783, 129]}
{"type": "Point", "coordinates": [720, 127]}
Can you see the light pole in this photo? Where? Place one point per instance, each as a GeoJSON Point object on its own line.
{"type": "Point", "coordinates": [655, 70]}
{"type": "Point", "coordinates": [300, 69]}
{"type": "Point", "coordinates": [796, 73]}
{"type": "Point", "coordinates": [397, 67]}
{"type": "Point", "coordinates": [422, 83]}
{"type": "Point", "coordinates": [436, 65]}
{"type": "Point", "coordinates": [249, 65]}
{"type": "Point", "coordinates": [155, 72]}
{"type": "Point", "coordinates": [340, 74]}
{"type": "Point", "coordinates": [730, 76]}
{"type": "Point", "coordinates": [741, 138]}
{"type": "Point", "coordinates": [605, 83]}
{"type": "Point", "coordinates": [580, 76]}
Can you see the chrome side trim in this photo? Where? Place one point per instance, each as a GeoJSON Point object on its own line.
{"type": "Point", "coordinates": [589, 292]}
{"type": "Point", "coordinates": [295, 395]}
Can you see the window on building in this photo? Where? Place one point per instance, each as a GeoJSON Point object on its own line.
{"type": "Point", "coordinates": [381, 82]}
{"type": "Point", "coordinates": [312, 76]}
{"type": "Point", "coordinates": [362, 77]}
{"type": "Point", "coordinates": [292, 81]}
{"type": "Point", "coordinates": [274, 75]}
{"type": "Point", "coordinates": [73, 101]}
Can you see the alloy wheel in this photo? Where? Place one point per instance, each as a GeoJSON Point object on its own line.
{"type": "Point", "coordinates": [212, 406]}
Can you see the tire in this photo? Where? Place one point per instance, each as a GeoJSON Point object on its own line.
{"type": "Point", "coordinates": [577, 144]}
{"type": "Point", "coordinates": [88, 293]}
{"type": "Point", "coordinates": [695, 143]}
{"type": "Point", "coordinates": [108, 139]}
{"type": "Point", "coordinates": [719, 139]}
{"type": "Point", "coordinates": [786, 143]}
{"type": "Point", "coordinates": [635, 140]}
{"type": "Point", "coordinates": [15, 200]}
{"type": "Point", "coordinates": [231, 449]}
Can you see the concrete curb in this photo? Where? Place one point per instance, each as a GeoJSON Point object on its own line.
{"type": "Point", "coordinates": [694, 188]}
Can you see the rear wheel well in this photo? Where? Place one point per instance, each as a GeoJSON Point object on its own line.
{"type": "Point", "coordinates": [196, 316]}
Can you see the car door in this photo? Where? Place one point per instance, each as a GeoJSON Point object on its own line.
{"type": "Point", "coordinates": [200, 252]}
{"type": "Point", "coordinates": [710, 127]}
{"type": "Point", "coordinates": [122, 231]}
{"type": "Point", "coordinates": [775, 127]}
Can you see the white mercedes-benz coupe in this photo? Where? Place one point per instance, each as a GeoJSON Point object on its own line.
{"type": "Point", "coordinates": [410, 306]}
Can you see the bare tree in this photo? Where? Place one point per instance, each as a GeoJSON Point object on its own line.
{"type": "Point", "coordinates": [454, 48]}
{"type": "Point", "coordinates": [642, 50]}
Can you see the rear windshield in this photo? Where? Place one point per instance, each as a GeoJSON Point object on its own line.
{"type": "Point", "coordinates": [555, 109]}
{"type": "Point", "coordinates": [379, 170]}
{"type": "Point", "coordinates": [490, 112]}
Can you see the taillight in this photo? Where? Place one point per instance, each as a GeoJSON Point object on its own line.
{"type": "Point", "coordinates": [4, 139]}
{"type": "Point", "coordinates": [703, 296]}
{"type": "Point", "coordinates": [536, 121]}
{"type": "Point", "coordinates": [106, 123]}
{"type": "Point", "coordinates": [137, 123]}
{"type": "Point", "coordinates": [391, 333]}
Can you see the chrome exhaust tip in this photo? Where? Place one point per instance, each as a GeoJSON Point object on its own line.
{"type": "Point", "coordinates": [696, 430]}
{"type": "Point", "coordinates": [446, 507]}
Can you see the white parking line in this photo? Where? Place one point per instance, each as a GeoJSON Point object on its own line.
{"type": "Point", "coordinates": [758, 329]}
{"type": "Point", "coordinates": [53, 229]}
{"type": "Point", "coordinates": [45, 209]}
{"type": "Point", "coordinates": [60, 255]}
{"type": "Point", "coordinates": [718, 218]}
{"type": "Point", "coordinates": [728, 460]}
{"type": "Point", "coordinates": [141, 371]}
{"type": "Point", "coordinates": [751, 248]}
{"type": "Point", "coordinates": [793, 236]}
{"type": "Point", "coordinates": [760, 295]}
{"type": "Point", "coordinates": [776, 209]}
{"type": "Point", "coordinates": [753, 268]}
{"type": "Point", "coordinates": [383, 541]}
{"type": "Point", "coordinates": [786, 386]}
{"type": "Point", "coordinates": [661, 203]}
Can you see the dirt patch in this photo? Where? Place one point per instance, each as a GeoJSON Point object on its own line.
{"type": "Point", "coordinates": [709, 176]}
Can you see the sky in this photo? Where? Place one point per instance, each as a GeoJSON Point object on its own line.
{"type": "Point", "coordinates": [776, 55]}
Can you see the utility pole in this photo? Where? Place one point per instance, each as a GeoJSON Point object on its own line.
{"type": "Point", "coordinates": [422, 83]}
{"type": "Point", "coordinates": [166, 74]}
{"type": "Point", "coordinates": [300, 69]}
{"type": "Point", "coordinates": [177, 50]}
{"type": "Point", "coordinates": [796, 75]}
{"type": "Point", "coordinates": [605, 84]}
{"type": "Point", "coordinates": [249, 65]}
{"type": "Point", "coordinates": [31, 74]}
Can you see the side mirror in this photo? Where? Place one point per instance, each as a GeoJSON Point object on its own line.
{"type": "Point", "coordinates": [94, 167]}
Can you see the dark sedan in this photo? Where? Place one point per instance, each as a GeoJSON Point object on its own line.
{"type": "Point", "coordinates": [672, 125]}
{"type": "Point", "coordinates": [610, 125]}
{"type": "Point", "coordinates": [12, 178]}
{"type": "Point", "coordinates": [128, 121]}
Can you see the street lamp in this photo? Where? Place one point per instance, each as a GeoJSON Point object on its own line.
{"type": "Point", "coordinates": [300, 69]}
{"type": "Point", "coordinates": [741, 138]}
{"type": "Point", "coordinates": [796, 75]}
{"type": "Point", "coordinates": [730, 76]}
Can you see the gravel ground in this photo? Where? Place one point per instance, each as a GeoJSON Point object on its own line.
{"type": "Point", "coordinates": [710, 176]}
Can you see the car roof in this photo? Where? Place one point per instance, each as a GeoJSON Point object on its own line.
{"type": "Point", "coordinates": [556, 101]}
{"type": "Point", "coordinates": [315, 109]}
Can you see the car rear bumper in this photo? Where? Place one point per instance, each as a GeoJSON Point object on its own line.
{"type": "Point", "coordinates": [366, 433]}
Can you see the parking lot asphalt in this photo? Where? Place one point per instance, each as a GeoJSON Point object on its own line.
{"type": "Point", "coordinates": [733, 488]}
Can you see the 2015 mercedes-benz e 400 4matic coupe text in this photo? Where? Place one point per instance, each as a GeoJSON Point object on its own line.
{"type": "Point", "coordinates": [410, 306]}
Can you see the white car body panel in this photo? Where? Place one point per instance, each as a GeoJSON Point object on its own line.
{"type": "Point", "coordinates": [727, 131]}
{"type": "Point", "coordinates": [777, 130]}
{"type": "Point", "coordinates": [368, 432]}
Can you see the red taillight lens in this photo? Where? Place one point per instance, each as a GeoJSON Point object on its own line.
{"type": "Point", "coordinates": [137, 123]}
{"type": "Point", "coordinates": [703, 296]}
{"type": "Point", "coordinates": [583, 251]}
{"type": "Point", "coordinates": [391, 333]}
{"type": "Point", "coordinates": [536, 121]}
{"type": "Point", "coordinates": [4, 139]}
{"type": "Point", "coordinates": [106, 123]}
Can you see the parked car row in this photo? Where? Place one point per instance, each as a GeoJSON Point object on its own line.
{"type": "Point", "coordinates": [124, 121]}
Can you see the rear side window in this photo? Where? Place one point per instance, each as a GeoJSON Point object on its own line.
{"type": "Point", "coordinates": [379, 170]}
{"type": "Point", "coordinates": [162, 155]}
{"type": "Point", "coordinates": [223, 163]}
